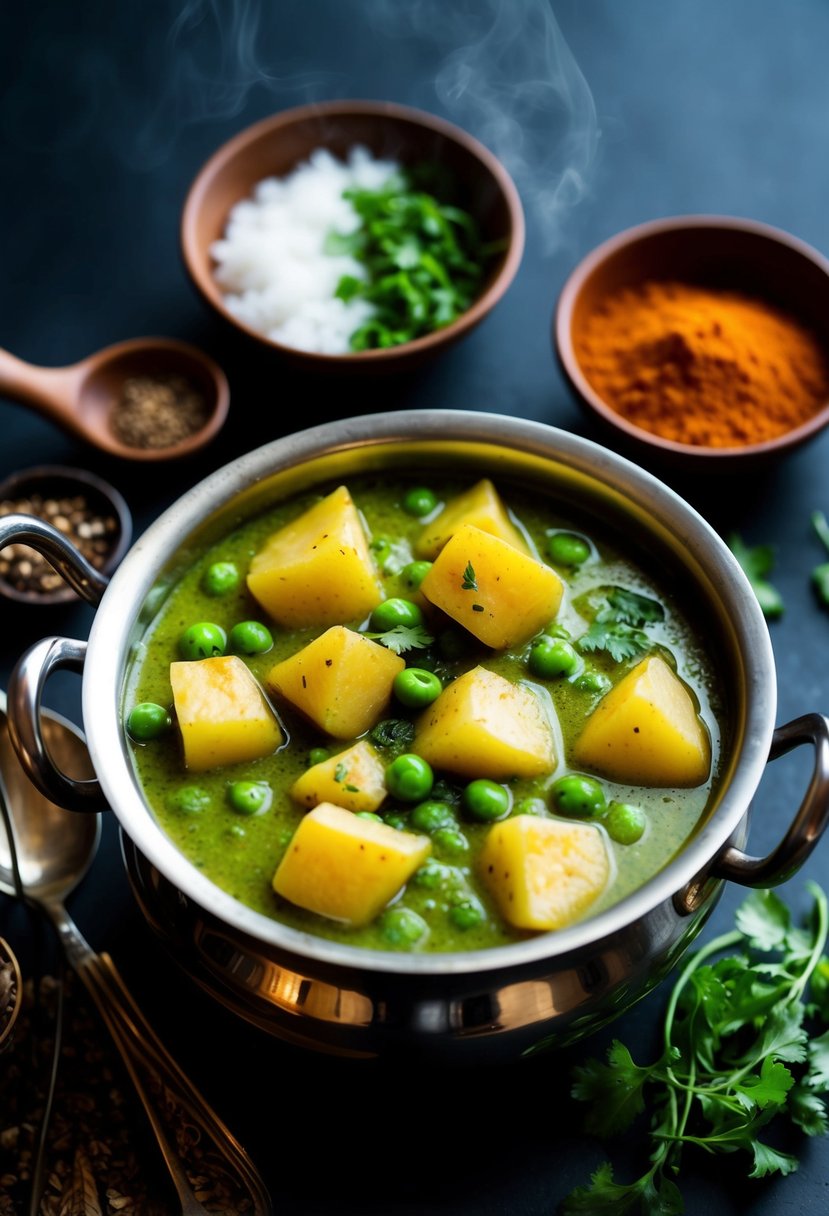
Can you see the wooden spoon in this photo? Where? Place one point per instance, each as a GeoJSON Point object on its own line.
{"type": "Point", "coordinates": [81, 398]}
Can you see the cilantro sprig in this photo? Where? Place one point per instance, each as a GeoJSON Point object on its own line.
{"type": "Point", "coordinates": [424, 261]}
{"type": "Point", "coordinates": [736, 1055]}
{"type": "Point", "coordinates": [757, 563]}
{"type": "Point", "coordinates": [820, 574]}
{"type": "Point", "coordinates": [470, 582]}
{"type": "Point", "coordinates": [402, 638]}
{"type": "Point", "coordinates": [617, 626]}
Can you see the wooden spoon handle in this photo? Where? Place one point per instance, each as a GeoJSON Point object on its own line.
{"type": "Point", "coordinates": [52, 391]}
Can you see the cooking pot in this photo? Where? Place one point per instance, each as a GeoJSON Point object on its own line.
{"type": "Point", "coordinates": [507, 1001]}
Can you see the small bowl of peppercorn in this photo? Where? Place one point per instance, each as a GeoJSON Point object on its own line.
{"type": "Point", "coordinates": [87, 510]}
{"type": "Point", "coordinates": [700, 340]}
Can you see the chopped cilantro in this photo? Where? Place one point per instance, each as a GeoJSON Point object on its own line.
{"type": "Point", "coordinates": [631, 608]}
{"type": "Point", "coordinates": [469, 583]}
{"type": "Point", "coordinates": [393, 732]}
{"type": "Point", "coordinates": [616, 626]}
{"type": "Point", "coordinates": [477, 607]}
{"type": "Point", "coordinates": [820, 574]}
{"type": "Point", "coordinates": [619, 640]}
{"type": "Point", "coordinates": [403, 638]}
{"type": "Point", "coordinates": [737, 1054]}
{"type": "Point", "coordinates": [341, 772]}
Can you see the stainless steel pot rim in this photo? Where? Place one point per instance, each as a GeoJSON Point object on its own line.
{"type": "Point", "coordinates": [107, 658]}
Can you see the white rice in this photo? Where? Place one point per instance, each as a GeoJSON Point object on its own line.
{"type": "Point", "coordinates": [271, 262]}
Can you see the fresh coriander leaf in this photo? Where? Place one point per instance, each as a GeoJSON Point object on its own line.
{"type": "Point", "coordinates": [770, 1087]}
{"type": "Point", "coordinates": [615, 1089]}
{"type": "Point", "coordinates": [340, 772]}
{"type": "Point", "coordinates": [604, 1197]}
{"type": "Point", "coordinates": [352, 789]}
{"type": "Point", "coordinates": [393, 732]}
{"type": "Point", "coordinates": [820, 574]}
{"type": "Point", "coordinates": [620, 641]}
{"type": "Point", "coordinates": [469, 583]}
{"type": "Point", "coordinates": [764, 919]}
{"type": "Point", "coordinates": [631, 608]}
{"type": "Point", "coordinates": [818, 1056]}
{"type": "Point", "coordinates": [808, 1111]}
{"type": "Point", "coordinates": [783, 1034]}
{"type": "Point", "coordinates": [403, 638]}
{"type": "Point", "coordinates": [768, 1160]}
{"type": "Point", "coordinates": [819, 988]}
{"type": "Point", "coordinates": [756, 564]}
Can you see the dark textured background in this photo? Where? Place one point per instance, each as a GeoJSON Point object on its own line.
{"type": "Point", "coordinates": [107, 112]}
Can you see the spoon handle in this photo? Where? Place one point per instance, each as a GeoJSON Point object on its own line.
{"type": "Point", "coordinates": [161, 1084]}
{"type": "Point", "coordinates": [47, 389]}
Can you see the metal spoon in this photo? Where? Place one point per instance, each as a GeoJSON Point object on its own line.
{"type": "Point", "coordinates": [80, 398]}
{"type": "Point", "coordinates": [51, 849]}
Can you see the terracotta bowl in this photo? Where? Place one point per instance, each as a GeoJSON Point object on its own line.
{"type": "Point", "coordinates": [275, 146]}
{"type": "Point", "coordinates": [713, 251]}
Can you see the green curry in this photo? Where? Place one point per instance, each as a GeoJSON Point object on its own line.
{"type": "Point", "coordinates": [238, 822]}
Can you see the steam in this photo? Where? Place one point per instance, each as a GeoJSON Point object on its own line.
{"type": "Point", "coordinates": [507, 75]}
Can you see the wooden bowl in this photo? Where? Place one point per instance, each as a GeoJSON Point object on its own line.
{"type": "Point", "coordinates": [713, 251]}
{"type": "Point", "coordinates": [275, 146]}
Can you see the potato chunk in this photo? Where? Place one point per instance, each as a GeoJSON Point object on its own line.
{"type": "Point", "coordinates": [341, 681]}
{"type": "Point", "coordinates": [480, 505]}
{"type": "Point", "coordinates": [484, 726]}
{"type": "Point", "coordinates": [222, 713]}
{"type": "Point", "coordinates": [347, 868]}
{"type": "Point", "coordinates": [501, 596]}
{"type": "Point", "coordinates": [646, 731]}
{"type": "Point", "coordinates": [355, 779]}
{"type": "Point", "coordinates": [317, 570]}
{"type": "Point", "coordinates": [544, 873]}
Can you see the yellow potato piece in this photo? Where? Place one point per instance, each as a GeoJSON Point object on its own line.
{"type": "Point", "coordinates": [354, 779]}
{"type": "Point", "coordinates": [347, 868]}
{"type": "Point", "coordinates": [544, 873]}
{"type": "Point", "coordinates": [646, 731]}
{"type": "Point", "coordinates": [484, 726]}
{"type": "Point", "coordinates": [342, 681]}
{"type": "Point", "coordinates": [513, 596]}
{"type": "Point", "coordinates": [317, 570]}
{"type": "Point", "coordinates": [222, 713]}
{"type": "Point", "coordinates": [479, 505]}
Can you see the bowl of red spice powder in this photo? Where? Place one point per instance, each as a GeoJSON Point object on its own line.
{"type": "Point", "coordinates": [700, 338]}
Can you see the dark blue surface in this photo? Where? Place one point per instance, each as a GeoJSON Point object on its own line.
{"type": "Point", "coordinates": [107, 112]}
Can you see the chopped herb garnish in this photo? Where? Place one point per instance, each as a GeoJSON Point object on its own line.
{"type": "Point", "coordinates": [424, 262]}
{"type": "Point", "coordinates": [820, 574]}
{"type": "Point", "coordinates": [352, 789]}
{"type": "Point", "coordinates": [341, 772]}
{"type": "Point", "coordinates": [393, 732]}
{"type": "Point", "coordinates": [736, 1056]}
{"type": "Point", "coordinates": [616, 626]}
{"type": "Point", "coordinates": [757, 562]}
{"type": "Point", "coordinates": [469, 583]}
{"type": "Point", "coordinates": [477, 607]}
{"type": "Point", "coordinates": [403, 638]}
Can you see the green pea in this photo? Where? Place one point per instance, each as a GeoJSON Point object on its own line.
{"type": "Point", "coordinates": [592, 681]}
{"type": "Point", "coordinates": [567, 549]}
{"type": "Point", "coordinates": [317, 755]}
{"type": "Point", "coordinates": [414, 574]}
{"type": "Point", "coordinates": [147, 721]}
{"type": "Point", "coordinates": [578, 796]}
{"type": "Point", "coordinates": [368, 815]}
{"type": "Point", "coordinates": [394, 612]}
{"type": "Point", "coordinates": [409, 778]}
{"type": "Point", "coordinates": [550, 657]}
{"type": "Point", "coordinates": [398, 820]}
{"type": "Point", "coordinates": [249, 797]}
{"type": "Point", "coordinates": [486, 800]}
{"type": "Point", "coordinates": [189, 799]}
{"type": "Point", "coordinates": [236, 832]}
{"type": "Point", "coordinates": [220, 578]}
{"type": "Point", "coordinates": [204, 640]}
{"type": "Point", "coordinates": [429, 816]}
{"type": "Point", "coordinates": [416, 687]}
{"type": "Point", "coordinates": [468, 914]}
{"type": "Point", "coordinates": [431, 876]}
{"type": "Point", "coordinates": [625, 822]}
{"type": "Point", "coordinates": [402, 927]}
{"type": "Point", "coordinates": [530, 806]}
{"type": "Point", "coordinates": [419, 501]}
{"type": "Point", "coordinates": [251, 637]}
{"type": "Point", "coordinates": [450, 840]}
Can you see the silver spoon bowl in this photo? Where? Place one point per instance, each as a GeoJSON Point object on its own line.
{"type": "Point", "coordinates": [45, 851]}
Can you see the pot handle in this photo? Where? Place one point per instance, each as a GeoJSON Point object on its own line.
{"type": "Point", "coordinates": [25, 693]}
{"type": "Point", "coordinates": [809, 823]}
{"type": "Point", "coordinates": [69, 563]}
